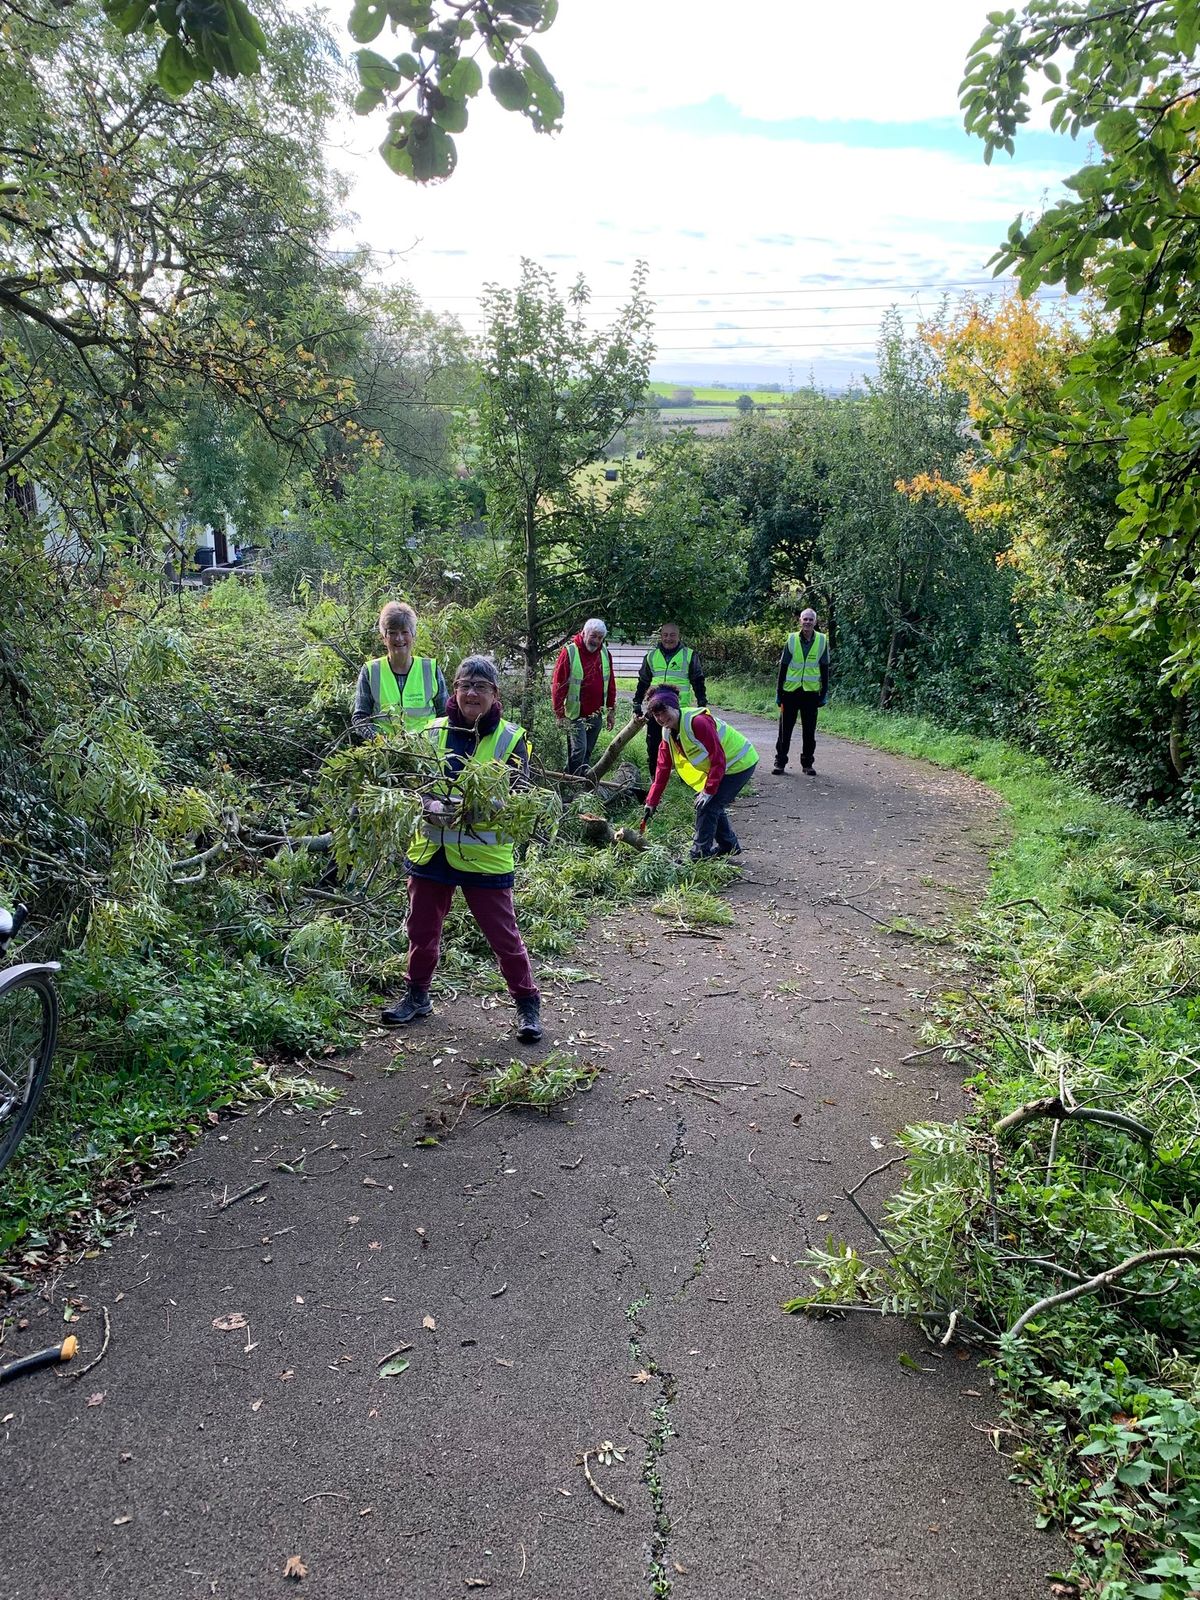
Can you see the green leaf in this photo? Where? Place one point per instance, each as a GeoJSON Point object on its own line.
{"type": "Point", "coordinates": [176, 71]}
{"type": "Point", "coordinates": [367, 20]}
{"type": "Point", "coordinates": [431, 151]}
{"type": "Point", "coordinates": [451, 115]}
{"type": "Point", "coordinates": [394, 1367]}
{"type": "Point", "coordinates": [377, 72]}
{"type": "Point", "coordinates": [509, 87]}
{"type": "Point", "coordinates": [366, 100]}
{"type": "Point", "coordinates": [463, 80]}
{"type": "Point", "coordinates": [248, 24]}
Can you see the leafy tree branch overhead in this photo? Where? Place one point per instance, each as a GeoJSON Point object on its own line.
{"type": "Point", "coordinates": [1128, 232]}
{"type": "Point", "coordinates": [426, 88]}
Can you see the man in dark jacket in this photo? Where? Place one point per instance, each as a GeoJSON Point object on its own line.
{"type": "Point", "coordinates": [801, 689]}
{"type": "Point", "coordinates": [670, 665]}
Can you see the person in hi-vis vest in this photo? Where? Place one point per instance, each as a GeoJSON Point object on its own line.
{"type": "Point", "coordinates": [800, 690]}
{"type": "Point", "coordinates": [398, 689]}
{"type": "Point", "coordinates": [669, 665]}
{"type": "Point", "coordinates": [713, 759]}
{"type": "Point", "coordinates": [452, 850]}
{"type": "Point", "coordinates": [583, 690]}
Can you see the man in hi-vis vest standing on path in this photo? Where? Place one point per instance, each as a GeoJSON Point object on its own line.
{"type": "Point", "coordinates": [399, 689]}
{"type": "Point", "coordinates": [670, 665]}
{"type": "Point", "coordinates": [584, 687]}
{"type": "Point", "coordinates": [801, 687]}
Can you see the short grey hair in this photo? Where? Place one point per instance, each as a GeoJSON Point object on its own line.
{"type": "Point", "coordinates": [478, 667]}
{"type": "Point", "coordinates": [397, 612]}
{"type": "Point", "coordinates": [595, 625]}
{"type": "Point", "coordinates": [808, 612]}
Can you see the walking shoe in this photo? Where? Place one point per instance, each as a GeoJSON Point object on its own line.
{"type": "Point", "coordinates": [734, 849]}
{"type": "Point", "coordinates": [809, 772]}
{"type": "Point", "coordinates": [529, 1019]}
{"type": "Point", "coordinates": [778, 770]}
{"type": "Point", "coordinates": [416, 1003]}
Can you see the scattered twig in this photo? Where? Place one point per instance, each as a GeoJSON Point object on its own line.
{"type": "Point", "coordinates": [496, 1293]}
{"type": "Point", "coordinates": [596, 1489]}
{"type": "Point", "coordinates": [521, 1574]}
{"type": "Point", "coordinates": [1102, 1280]}
{"type": "Point", "coordinates": [874, 1173]}
{"type": "Point", "coordinates": [721, 1083]}
{"type": "Point", "coordinates": [787, 1089]}
{"type": "Point", "coordinates": [243, 1194]}
{"type": "Point", "coordinates": [955, 1044]}
{"type": "Point", "coordinates": [101, 1353]}
{"type": "Point", "coordinates": [1007, 905]}
{"type": "Point", "coordinates": [324, 1494]}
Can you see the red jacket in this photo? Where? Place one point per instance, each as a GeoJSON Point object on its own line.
{"type": "Point", "coordinates": [591, 691]}
{"type": "Point", "coordinates": [705, 730]}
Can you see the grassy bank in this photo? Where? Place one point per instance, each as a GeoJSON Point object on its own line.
{"type": "Point", "coordinates": [1085, 1023]}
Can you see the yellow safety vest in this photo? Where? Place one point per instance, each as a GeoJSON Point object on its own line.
{"type": "Point", "coordinates": [575, 682]}
{"type": "Point", "coordinates": [416, 707]}
{"type": "Point", "coordinates": [468, 849]}
{"type": "Point", "coordinates": [674, 673]}
{"type": "Point", "coordinates": [692, 761]}
{"type": "Point", "coordinates": [804, 671]}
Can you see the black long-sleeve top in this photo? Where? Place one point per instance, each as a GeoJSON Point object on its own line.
{"type": "Point", "coordinates": [646, 676]}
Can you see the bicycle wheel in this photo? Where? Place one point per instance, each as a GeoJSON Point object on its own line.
{"type": "Point", "coordinates": [28, 1031]}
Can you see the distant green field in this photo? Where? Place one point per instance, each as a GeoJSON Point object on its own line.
{"type": "Point", "coordinates": [721, 397]}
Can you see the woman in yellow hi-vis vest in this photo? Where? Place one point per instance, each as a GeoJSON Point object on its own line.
{"type": "Point", "coordinates": [445, 856]}
{"type": "Point", "coordinates": [398, 689]}
{"type": "Point", "coordinates": [712, 758]}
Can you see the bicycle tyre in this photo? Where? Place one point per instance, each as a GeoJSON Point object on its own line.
{"type": "Point", "coordinates": [19, 1101]}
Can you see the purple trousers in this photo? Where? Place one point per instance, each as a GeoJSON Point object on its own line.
{"type": "Point", "coordinates": [428, 903]}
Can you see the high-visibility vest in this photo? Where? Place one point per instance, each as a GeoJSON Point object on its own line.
{"type": "Point", "coordinates": [469, 849]}
{"type": "Point", "coordinates": [804, 671]}
{"type": "Point", "coordinates": [417, 709]}
{"type": "Point", "coordinates": [675, 673]}
{"type": "Point", "coordinates": [692, 760]}
{"type": "Point", "coordinates": [575, 682]}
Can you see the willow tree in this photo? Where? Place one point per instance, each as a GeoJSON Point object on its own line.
{"type": "Point", "coordinates": [554, 391]}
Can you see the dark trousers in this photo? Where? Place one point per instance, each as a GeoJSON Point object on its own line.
{"type": "Point", "coordinates": [653, 741]}
{"type": "Point", "coordinates": [582, 733]}
{"type": "Point", "coordinates": [428, 903]}
{"type": "Point", "coordinates": [804, 702]}
{"type": "Point", "coordinates": [714, 831]}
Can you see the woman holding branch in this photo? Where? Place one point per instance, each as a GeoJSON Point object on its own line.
{"type": "Point", "coordinates": [452, 850]}
{"type": "Point", "coordinates": [712, 758]}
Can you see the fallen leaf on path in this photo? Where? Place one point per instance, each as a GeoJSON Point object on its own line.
{"type": "Point", "coordinates": [254, 1404]}
{"type": "Point", "coordinates": [428, 1322]}
{"type": "Point", "coordinates": [478, 1583]}
{"type": "Point", "coordinates": [394, 1367]}
{"type": "Point", "coordinates": [823, 1216]}
{"type": "Point", "coordinates": [975, 1394]}
{"type": "Point", "coordinates": [295, 1569]}
{"type": "Point", "coordinates": [641, 1376]}
{"type": "Point", "coordinates": [97, 1399]}
{"type": "Point", "coordinates": [119, 1522]}
{"type": "Point", "coordinates": [231, 1322]}
{"type": "Point", "coordinates": [876, 1142]}
{"type": "Point", "coordinates": [501, 1362]}
{"type": "Point", "coordinates": [284, 1376]}
{"type": "Point", "coordinates": [679, 1567]}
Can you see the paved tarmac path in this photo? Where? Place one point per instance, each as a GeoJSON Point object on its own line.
{"type": "Point", "coordinates": [611, 1273]}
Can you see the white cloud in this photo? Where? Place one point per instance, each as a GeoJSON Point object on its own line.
{"type": "Point", "coordinates": [713, 216]}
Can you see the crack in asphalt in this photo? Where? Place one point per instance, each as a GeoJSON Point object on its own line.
{"type": "Point", "coordinates": [655, 1441]}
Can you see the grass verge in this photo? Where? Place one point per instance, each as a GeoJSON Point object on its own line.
{"type": "Point", "coordinates": [1081, 1153]}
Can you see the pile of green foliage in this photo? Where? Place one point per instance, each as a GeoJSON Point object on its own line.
{"type": "Point", "coordinates": [1089, 946]}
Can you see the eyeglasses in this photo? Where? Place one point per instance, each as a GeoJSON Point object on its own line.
{"type": "Point", "coordinates": [476, 685]}
{"type": "Point", "coordinates": [397, 633]}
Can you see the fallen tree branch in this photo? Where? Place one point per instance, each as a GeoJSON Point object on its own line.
{"type": "Point", "coordinates": [1102, 1280]}
{"type": "Point", "coordinates": [616, 745]}
{"type": "Point", "coordinates": [597, 1490]}
{"type": "Point", "coordinates": [1052, 1106]}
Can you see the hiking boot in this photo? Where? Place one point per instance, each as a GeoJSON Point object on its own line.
{"type": "Point", "coordinates": [778, 770]}
{"type": "Point", "coordinates": [809, 771]}
{"type": "Point", "coordinates": [416, 1003]}
{"type": "Point", "coordinates": [529, 1019]}
{"type": "Point", "coordinates": [733, 849]}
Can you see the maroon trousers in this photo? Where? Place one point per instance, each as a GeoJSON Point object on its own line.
{"type": "Point", "coordinates": [428, 903]}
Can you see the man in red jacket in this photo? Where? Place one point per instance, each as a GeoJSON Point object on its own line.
{"type": "Point", "coordinates": [584, 684]}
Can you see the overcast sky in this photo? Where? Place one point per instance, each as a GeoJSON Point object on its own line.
{"type": "Point", "coordinates": [786, 169]}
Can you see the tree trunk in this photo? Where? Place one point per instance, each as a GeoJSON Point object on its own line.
{"type": "Point", "coordinates": [533, 642]}
{"type": "Point", "coordinates": [1175, 743]}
